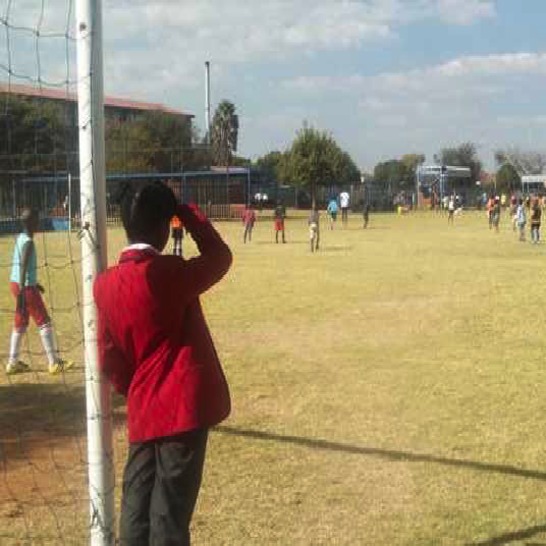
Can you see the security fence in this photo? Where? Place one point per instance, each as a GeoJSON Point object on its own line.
{"type": "Point", "coordinates": [221, 193]}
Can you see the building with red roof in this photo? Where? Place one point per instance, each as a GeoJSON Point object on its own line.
{"type": "Point", "coordinates": [118, 108]}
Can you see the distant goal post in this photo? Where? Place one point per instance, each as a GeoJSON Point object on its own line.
{"type": "Point", "coordinates": [533, 183]}
{"type": "Point", "coordinates": [438, 175]}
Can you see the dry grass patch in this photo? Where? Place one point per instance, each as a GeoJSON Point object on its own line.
{"type": "Point", "coordinates": [387, 390]}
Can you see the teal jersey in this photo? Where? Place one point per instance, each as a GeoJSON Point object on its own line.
{"type": "Point", "coordinates": [31, 276]}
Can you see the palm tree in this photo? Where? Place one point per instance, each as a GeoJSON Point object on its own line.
{"type": "Point", "coordinates": [225, 129]}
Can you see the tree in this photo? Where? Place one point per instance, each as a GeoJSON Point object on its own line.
{"type": "Point", "coordinates": [170, 136]}
{"type": "Point", "coordinates": [39, 135]}
{"type": "Point", "coordinates": [155, 141]}
{"type": "Point", "coordinates": [35, 135]}
{"type": "Point", "coordinates": [507, 178]}
{"type": "Point", "coordinates": [273, 165]}
{"type": "Point", "coordinates": [464, 155]}
{"type": "Point", "coordinates": [394, 174]}
{"type": "Point", "coordinates": [345, 170]}
{"type": "Point", "coordinates": [129, 147]}
{"type": "Point", "coordinates": [398, 174]}
{"type": "Point", "coordinates": [315, 159]}
{"type": "Point", "coordinates": [525, 162]}
{"type": "Point", "coordinates": [224, 133]}
{"type": "Point", "coordinates": [411, 163]}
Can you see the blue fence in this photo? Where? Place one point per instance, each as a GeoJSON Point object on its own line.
{"type": "Point", "coordinates": [10, 226]}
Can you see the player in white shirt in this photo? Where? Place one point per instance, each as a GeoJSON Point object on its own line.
{"type": "Point", "coordinates": [344, 199]}
{"type": "Point", "coordinates": [450, 209]}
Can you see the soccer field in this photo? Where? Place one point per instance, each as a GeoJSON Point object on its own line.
{"type": "Point", "coordinates": [387, 390]}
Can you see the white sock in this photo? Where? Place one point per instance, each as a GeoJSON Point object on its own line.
{"type": "Point", "coordinates": [15, 345]}
{"type": "Point", "coordinates": [48, 341]}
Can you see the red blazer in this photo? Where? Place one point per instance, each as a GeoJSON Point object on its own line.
{"type": "Point", "coordinates": [154, 343]}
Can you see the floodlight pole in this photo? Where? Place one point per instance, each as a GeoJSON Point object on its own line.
{"type": "Point", "coordinates": [207, 102]}
{"type": "Point", "coordinates": [93, 224]}
{"type": "Point", "coordinates": [417, 186]}
{"type": "Point", "coordinates": [443, 173]}
{"type": "Point", "coordinates": [69, 204]}
{"type": "Point", "coordinates": [248, 186]}
{"type": "Point", "coordinates": [14, 193]}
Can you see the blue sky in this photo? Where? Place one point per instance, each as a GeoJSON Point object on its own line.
{"type": "Point", "coordinates": [385, 77]}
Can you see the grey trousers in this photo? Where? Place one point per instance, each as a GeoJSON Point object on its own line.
{"type": "Point", "coordinates": [160, 487]}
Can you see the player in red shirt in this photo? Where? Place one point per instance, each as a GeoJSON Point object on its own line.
{"type": "Point", "coordinates": [249, 218]}
{"type": "Point", "coordinates": [156, 349]}
{"type": "Point", "coordinates": [279, 214]}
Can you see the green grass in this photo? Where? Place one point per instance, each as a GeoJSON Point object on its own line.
{"type": "Point", "coordinates": [388, 390]}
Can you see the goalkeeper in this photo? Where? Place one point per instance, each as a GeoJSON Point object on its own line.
{"type": "Point", "coordinates": [156, 349]}
{"type": "Point", "coordinates": [28, 295]}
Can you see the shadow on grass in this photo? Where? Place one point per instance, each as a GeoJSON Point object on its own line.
{"type": "Point", "coordinates": [406, 456]}
{"type": "Point", "coordinates": [393, 455]}
{"type": "Point", "coordinates": [334, 248]}
{"type": "Point", "coordinates": [272, 242]}
{"type": "Point", "coordinates": [36, 410]}
{"type": "Point", "coordinates": [323, 248]}
{"type": "Point", "coordinates": [514, 536]}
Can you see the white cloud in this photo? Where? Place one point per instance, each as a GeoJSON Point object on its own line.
{"type": "Point", "coordinates": [482, 69]}
{"type": "Point", "coordinates": [485, 99]}
{"type": "Point", "coordinates": [234, 31]}
{"type": "Point", "coordinates": [155, 50]}
{"type": "Point", "coordinates": [165, 42]}
{"type": "Point", "coordinates": [465, 12]}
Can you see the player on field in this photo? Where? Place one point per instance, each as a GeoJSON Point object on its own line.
{"type": "Point", "coordinates": [496, 213]}
{"type": "Point", "coordinates": [249, 219]}
{"type": "Point", "coordinates": [332, 211]}
{"type": "Point", "coordinates": [513, 210]}
{"type": "Point", "coordinates": [29, 303]}
{"type": "Point", "coordinates": [344, 199]}
{"type": "Point", "coordinates": [314, 228]}
{"type": "Point", "coordinates": [156, 349]}
{"type": "Point", "coordinates": [450, 209]}
{"type": "Point", "coordinates": [536, 216]}
{"type": "Point", "coordinates": [279, 214]}
{"type": "Point", "coordinates": [177, 231]}
{"type": "Point", "coordinates": [366, 213]}
{"type": "Point", "coordinates": [521, 219]}
{"type": "Point", "coordinates": [489, 208]}
{"type": "Point", "coordinates": [445, 203]}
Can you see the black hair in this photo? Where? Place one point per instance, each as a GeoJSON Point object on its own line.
{"type": "Point", "coordinates": [144, 209]}
{"type": "Point", "coordinates": [28, 213]}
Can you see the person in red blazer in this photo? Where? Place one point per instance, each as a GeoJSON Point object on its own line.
{"type": "Point", "coordinates": [156, 349]}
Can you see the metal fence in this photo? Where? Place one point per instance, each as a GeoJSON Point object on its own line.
{"type": "Point", "coordinates": [222, 194]}
{"type": "Point", "coordinates": [376, 196]}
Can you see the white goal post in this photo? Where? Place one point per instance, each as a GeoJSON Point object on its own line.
{"type": "Point", "coordinates": [93, 218]}
{"type": "Point", "coordinates": [441, 173]}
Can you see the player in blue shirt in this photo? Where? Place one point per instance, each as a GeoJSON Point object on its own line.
{"type": "Point", "coordinates": [332, 212]}
{"type": "Point", "coordinates": [28, 295]}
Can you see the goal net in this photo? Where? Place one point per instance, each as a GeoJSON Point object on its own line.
{"type": "Point", "coordinates": [55, 442]}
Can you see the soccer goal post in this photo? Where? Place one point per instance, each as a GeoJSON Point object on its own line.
{"type": "Point", "coordinates": [94, 258]}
